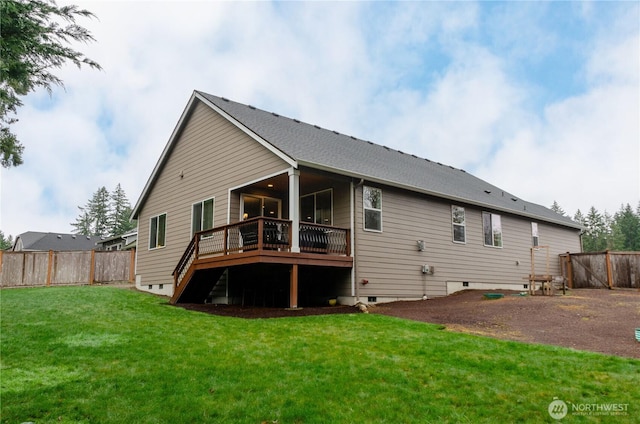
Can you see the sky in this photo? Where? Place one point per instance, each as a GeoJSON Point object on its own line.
{"type": "Point", "coordinates": [541, 99]}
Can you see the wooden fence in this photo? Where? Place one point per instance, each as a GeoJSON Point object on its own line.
{"type": "Point", "coordinates": [601, 269]}
{"type": "Point", "coordinates": [30, 269]}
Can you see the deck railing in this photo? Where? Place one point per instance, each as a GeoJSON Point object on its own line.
{"type": "Point", "coordinates": [262, 234]}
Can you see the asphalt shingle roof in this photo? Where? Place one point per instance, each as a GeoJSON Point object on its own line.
{"type": "Point", "coordinates": [37, 241]}
{"type": "Point", "coordinates": [314, 146]}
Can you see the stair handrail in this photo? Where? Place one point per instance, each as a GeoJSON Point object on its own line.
{"type": "Point", "coordinates": [185, 260]}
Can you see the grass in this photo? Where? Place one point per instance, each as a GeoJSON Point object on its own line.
{"type": "Point", "coordinates": [108, 355]}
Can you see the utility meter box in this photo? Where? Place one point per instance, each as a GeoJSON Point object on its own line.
{"type": "Point", "coordinates": [427, 269]}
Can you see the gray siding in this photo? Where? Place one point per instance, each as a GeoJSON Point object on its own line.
{"type": "Point", "coordinates": [392, 264]}
{"type": "Point", "coordinates": [212, 155]}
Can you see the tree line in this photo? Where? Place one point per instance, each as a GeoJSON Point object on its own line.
{"type": "Point", "coordinates": [603, 231]}
{"type": "Point", "coordinates": [106, 214]}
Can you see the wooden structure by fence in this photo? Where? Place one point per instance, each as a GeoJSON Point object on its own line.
{"type": "Point", "coordinates": [31, 269]}
{"type": "Point", "coordinates": [601, 269]}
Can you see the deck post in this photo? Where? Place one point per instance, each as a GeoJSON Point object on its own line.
{"type": "Point", "coordinates": [293, 287]}
{"type": "Point", "coordinates": [294, 208]}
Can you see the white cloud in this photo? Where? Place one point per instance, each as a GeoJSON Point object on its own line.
{"type": "Point", "coordinates": [585, 150]}
{"type": "Point", "coordinates": [420, 77]}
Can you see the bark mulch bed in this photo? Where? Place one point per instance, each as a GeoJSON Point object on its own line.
{"type": "Point", "coordinates": [596, 320]}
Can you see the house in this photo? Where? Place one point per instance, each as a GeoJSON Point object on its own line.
{"type": "Point", "coordinates": [122, 242]}
{"type": "Point", "coordinates": [34, 241]}
{"type": "Point", "coordinates": [247, 206]}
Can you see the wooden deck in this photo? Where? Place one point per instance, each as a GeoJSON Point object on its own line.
{"type": "Point", "coordinates": [259, 240]}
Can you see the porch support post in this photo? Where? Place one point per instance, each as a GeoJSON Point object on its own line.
{"type": "Point", "coordinates": [294, 209]}
{"type": "Point", "coordinates": [293, 287]}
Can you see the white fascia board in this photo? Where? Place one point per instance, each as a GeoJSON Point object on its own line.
{"type": "Point", "coordinates": [163, 157]}
{"type": "Point", "coordinates": [292, 162]}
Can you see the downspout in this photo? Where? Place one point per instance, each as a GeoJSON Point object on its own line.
{"type": "Point", "coordinates": [353, 241]}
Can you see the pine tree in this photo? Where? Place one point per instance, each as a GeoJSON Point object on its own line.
{"type": "Point", "coordinates": [105, 214]}
{"type": "Point", "coordinates": [94, 217]}
{"type": "Point", "coordinates": [557, 209]}
{"type": "Point", "coordinates": [100, 211]}
{"type": "Point", "coordinates": [5, 243]}
{"type": "Point", "coordinates": [595, 235]}
{"type": "Point", "coordinates": [626, 229]}
{"type": "Point", "coordinates": [120, 212]}
{"type": "Point", "coordinates": [36, 38]}
{"type": "Point", "coordinates": [83, 223]}
{"type": "Point", "coordinates": [579, 218]}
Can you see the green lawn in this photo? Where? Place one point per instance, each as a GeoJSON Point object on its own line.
{"type": "Point", "coordinates": [102, 354]}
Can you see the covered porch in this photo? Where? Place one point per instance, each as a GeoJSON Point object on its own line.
{"type": "Point", "coordinates": [298, 218]}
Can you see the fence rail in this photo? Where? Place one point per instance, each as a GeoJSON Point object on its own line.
{"type": "Point", "coordinates": [602, 269]}
{"type": "Point", "coordinates": [31, 269]}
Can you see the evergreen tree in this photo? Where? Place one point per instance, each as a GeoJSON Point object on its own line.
{"type": "Point", "coordinates": [594, 238]}
{"type": "Point", "coordinates": [120, 212]}
{"type": "Point", "coordinates": [5, 242]}
{"type": "Point", "coordinates": [557, 209]}
{"type": "Point", "coordinates": [579, 218]}
{"type": "Point", "coordinates": [99, 208]}
{"type": "Point", "coordinates": [83, 223]}
{"type": "Point", "coordinates": [35, 37]}
{"type": "Point", "coordinates": [626, 229]}
{"type": "Point", "coordinates": [105, 214]}
{"type": "Point", "coordinates": [94, 218]}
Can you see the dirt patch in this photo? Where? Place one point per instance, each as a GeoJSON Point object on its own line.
{"type": "Point", "coordinates": [586, 319]}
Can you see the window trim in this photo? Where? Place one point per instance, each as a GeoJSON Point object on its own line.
{"type": "Point", "coordinates": [535, 235]}
{"type": "Point", "coordinates": [365, 208]}
{"type": "Point", "coordinates": [157, 246]}
{"type": "Point", "coordinates": [491, 216]}
{"type": "Point", "coordinates": [213, 213]}
{"type": "Point", "coordinates": [454, 224]}
{"type": "Point", "coordinates": [315, 206]}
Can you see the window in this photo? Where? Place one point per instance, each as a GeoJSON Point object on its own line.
{"type": "Point", "coordinates": [157, 231]}
{"type": "Point", "coordinates": [372, 204]}
{"type": "Point", "coordinates": [254, 206]}
{"type": "Point", "coordinates": [202, 216]}
{"type": "Point", "coordinates": [317, 207]}
{"type": "Point", "coordinates": [459, 226]}
{"type": "Point", "coordinates": [492, 227]}
{"type": "Point", "coordinates": [534, 234]}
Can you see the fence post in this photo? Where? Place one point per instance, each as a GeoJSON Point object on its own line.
{"type": "Point", "coordinates": [49, 267]}
{"type": "Point", "coordinates": [607, 259]}
{"type": "Point", "coordinates": [132, 266]}
{"type": "Point", "coordinates": [569, 270]}
{"type": "Point", "coordinates": [92, 267]}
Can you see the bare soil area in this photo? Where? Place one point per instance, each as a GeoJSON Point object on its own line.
{"type": "Point", "coordinates": [596, 320]}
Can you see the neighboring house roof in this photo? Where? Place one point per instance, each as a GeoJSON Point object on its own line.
{"type": "Point", "coordinates": [128, 240]}
{"type": "Point", "coordinates": [37, 241]}
{"type": "Point", "coordinates": [315, 147]}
